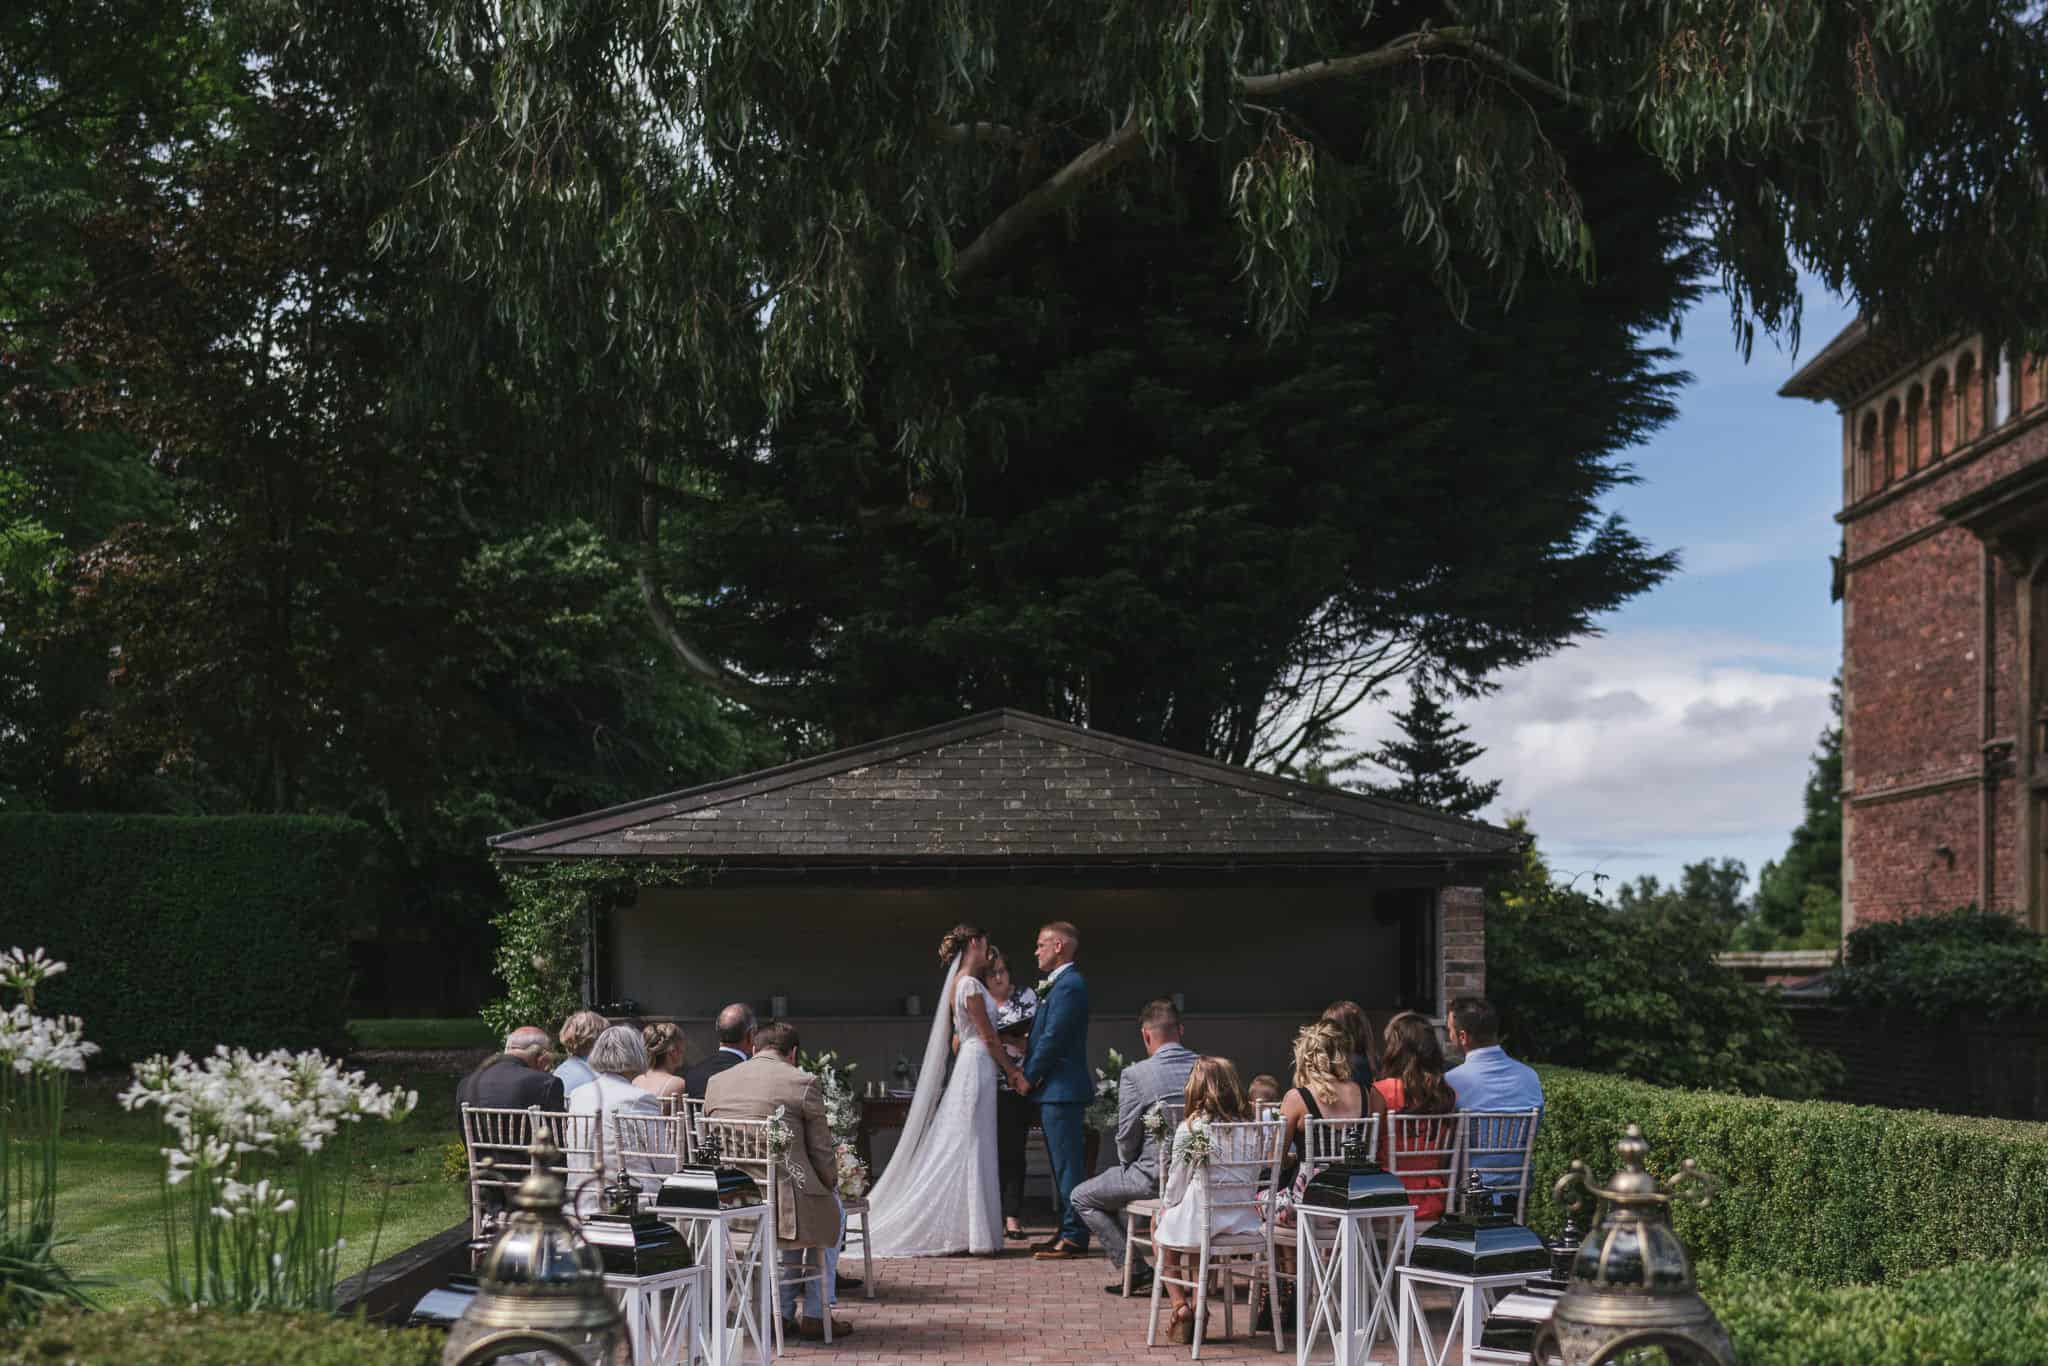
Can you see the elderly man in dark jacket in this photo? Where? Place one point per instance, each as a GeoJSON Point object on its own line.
{"type": "Point", "coordinates": [515, 1079]}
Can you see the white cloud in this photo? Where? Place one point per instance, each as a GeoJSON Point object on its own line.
{"type": "Point", "coordinates": [1644, 750]}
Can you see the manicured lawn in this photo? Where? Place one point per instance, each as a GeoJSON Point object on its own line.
{"type": "Point", "coordinates": [464, 1032]}
{"type": "Point", "coordinates": [107, 1201]}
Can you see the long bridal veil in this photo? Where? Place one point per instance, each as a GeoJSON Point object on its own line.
{"type": "Point", "coordinates": [931, 1084]}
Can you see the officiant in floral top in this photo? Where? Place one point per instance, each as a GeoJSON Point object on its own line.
{"type": "Point", "coordinates": [1015, 1007]}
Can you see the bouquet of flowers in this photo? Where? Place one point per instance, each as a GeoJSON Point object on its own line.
{"type": "Point", "coordinates": [1156, 1127]}
{"type": "Point", "coordinates": [853, 1173]}
{"type": "Point", "coordinates": [1102, 1111]}
{"type": "Point", "coordinates": [842, 1116]}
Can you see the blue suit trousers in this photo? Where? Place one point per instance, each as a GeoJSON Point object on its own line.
{"type": "Point", "coordinates": [1066, 1144]}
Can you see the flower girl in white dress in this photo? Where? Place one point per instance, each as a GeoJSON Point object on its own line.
{"type": "Point", "coordinates": [1214, 1096]}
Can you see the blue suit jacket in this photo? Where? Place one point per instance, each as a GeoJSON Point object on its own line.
{"type": "Point", "coordinates": [1056, 1061]}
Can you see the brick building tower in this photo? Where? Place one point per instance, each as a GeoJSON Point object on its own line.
{"type": "Point", "coordinates": [1944, 585]}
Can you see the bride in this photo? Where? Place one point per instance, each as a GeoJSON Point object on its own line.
{"type": "Point", "coordinates": [939, 1193]}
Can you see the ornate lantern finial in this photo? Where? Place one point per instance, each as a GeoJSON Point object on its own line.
{"type": "Point", "coordinates": [1632, 1286]}
{"type": "Point", "coordinates": [541, 1287]}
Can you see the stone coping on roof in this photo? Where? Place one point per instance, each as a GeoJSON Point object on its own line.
{"type": "Point", "coordinates": [1009, 787]}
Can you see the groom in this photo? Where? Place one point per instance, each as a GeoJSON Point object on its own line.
{"type": "Point", "coordinates": [1056, 1077]}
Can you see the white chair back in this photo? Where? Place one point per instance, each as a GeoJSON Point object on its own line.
{"type": "Point", "coordinates": [1240, 1172]}
{"type": "Point", "coordinates": [1172, 1112]}
{"type": "Point", "coordinates": [1424, 1151]}
{"type": "Point", "coordinates": [495, 1142]}
{"type": "Point", "coordinates": [743, 1143]}
{"type": "Point", "coordinates": [1324, 1141]}
{"type": "Point", "coordinates": [691, 1108]}
{"type": "Point", "coordinates": [1501, 1145]}
{"type": "Point", "coordinates": [650, 1148]}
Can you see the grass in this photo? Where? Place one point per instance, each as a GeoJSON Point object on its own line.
{"type": "Point", "coordinates": [465, 1032]}
{"type": "Point", "coordinates": [108, 1175]}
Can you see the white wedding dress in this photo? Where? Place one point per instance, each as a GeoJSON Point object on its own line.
{"type": "Point", "coordinates": [940, 1193]}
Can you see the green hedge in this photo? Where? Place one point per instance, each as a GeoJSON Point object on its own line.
{"type": "Point", "coordinates": [183, 933]}
{"type": "Point", "coordinates": [1940, 966]}
{"type": "Point", "coordinates": [1977, 1315]}
{"type": "Point", "coordinates": [1825, 1193]}
{"type": "Point", "coordinates": [180, 1337]}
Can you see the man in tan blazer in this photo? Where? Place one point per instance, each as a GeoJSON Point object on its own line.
{"type": "Point", "coordinates": [807, 1212]}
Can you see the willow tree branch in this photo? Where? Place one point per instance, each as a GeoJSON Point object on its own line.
{"type": "Point", "coordinates": [1048, 197]}
{"type": "Point", "coordinates": [696, 663]}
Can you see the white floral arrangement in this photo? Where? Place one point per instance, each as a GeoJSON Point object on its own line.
{"type": "Point", "coordinates": [852, 1174]}
{"type": "Point", "coordinates": [256, 1170]}
{"type": "Point", "coordinates": [1102, 1111]}
{"type": "Point", "coordinates": [1156, 1127]}
{"type": "Point", "coordinates": [1197, 1144]}
{"type": "Point", "coordinates": [779, 1142]}
{"type": "Point", "coordinates": [842, 1101]}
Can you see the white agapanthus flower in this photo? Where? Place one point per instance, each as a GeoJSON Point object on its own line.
{"type": "Point", "coordinates": [42, 1044]}
{"type": "Point", "coordinates": [25, 969]}
{"type": "Point", "coordinates": [261, 1103]}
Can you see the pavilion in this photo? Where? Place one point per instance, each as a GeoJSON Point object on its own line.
{"type": "Point", "coordinates": [828, 883]}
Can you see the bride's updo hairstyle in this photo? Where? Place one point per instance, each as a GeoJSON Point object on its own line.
{"type": "Point", "coordinates": [956, 941]}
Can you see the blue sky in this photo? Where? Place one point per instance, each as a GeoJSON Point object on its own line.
{"type": "Point", "coordinates": [1683, 731]}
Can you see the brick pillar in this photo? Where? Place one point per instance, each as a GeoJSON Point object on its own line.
{"type": "Point", "coordinates": [1462, 913]}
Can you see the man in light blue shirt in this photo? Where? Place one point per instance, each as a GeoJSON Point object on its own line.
{"type": "Point", "coordinates": [1489, 1079]}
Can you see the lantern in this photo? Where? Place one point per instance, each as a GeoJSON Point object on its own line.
{"type": "Point", "coordinates": [540, 1292]}
{"type": "Point", "coordinates": [1357, 1182]}
{"type": "Point", "coordinates": [1482, 1242]}
{"type": "Point", "coordinates": [1632, 1298]}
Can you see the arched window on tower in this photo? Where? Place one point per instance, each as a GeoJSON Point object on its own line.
{"type": "Point", "coordinates": [1937, 416]}
{"type": "Point", "coordinates": [1916, 429]}
{"type": "Point", "coordinates": [1894, 447]}
{"type": "Point", "coordinates": [1867, 479]}
{"type": "Point", "coordinates": [1969, 400]}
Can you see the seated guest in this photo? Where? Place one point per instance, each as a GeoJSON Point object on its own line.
{"type": "Point", "coordinates": [664, 1056]}
{"type": "Point", "coordinates": [1413, 1061]}
{"type": "Point", "coordinates": [807, 1212]}
{"type": "Point", "coordinates": [515, 1079]}
{"type": "Point", "coordinates": [1213, 1094]}
{"type": "Point", "coordinates": [1349, 1016]}
{"type": "Point", "coordinates": [736, 1026]}
{"type": "Point", "coordinates": [1489, 1079]}
{"type": "Point", "coordinates": [579, 1032]}
{"type": "Point", "coordinates": [1263, 1090]}
{"type": "Point", "coordinates": [1323, 1089]}
{"type": "Point", "coordinates": [1161, 1075]}
{"type": "Point", "coordinates": [616, 1057]}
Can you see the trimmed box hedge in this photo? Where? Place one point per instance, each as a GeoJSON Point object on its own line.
{"type": "Point", "coordinates": [1981, 1314]}
{"type": "Point", "coordinates": [182, 1337]}
{"type": "Point", "coordinates": [1815, 1191]}
{"type": "Point", "coordinates": [187, 932]}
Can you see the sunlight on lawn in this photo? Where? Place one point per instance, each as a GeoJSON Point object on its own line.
{"type": "Point", "coordinates": [108, 1183]}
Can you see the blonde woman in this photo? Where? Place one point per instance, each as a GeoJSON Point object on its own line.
{"type": "Point", "coordinates": [663, 1077]}
{"type": "Point", "coordinates": [1323, 1089]}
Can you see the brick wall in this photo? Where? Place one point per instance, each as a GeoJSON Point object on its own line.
{"type": "Point", "coordinates": [1464, 945]}
{"type": "Point", "coordinates": [1914, 679]}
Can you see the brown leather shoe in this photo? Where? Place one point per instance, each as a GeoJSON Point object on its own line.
{"type": "Point", "coordinates": [1060, 1251]}
{"type": "Point", "coordinates": [811, 1330]}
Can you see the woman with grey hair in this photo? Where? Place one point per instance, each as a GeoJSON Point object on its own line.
{"type": "Point", "coordinates": [617, 1057]}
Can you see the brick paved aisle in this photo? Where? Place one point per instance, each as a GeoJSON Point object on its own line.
{"type": "Point", "coordinates": [1015, 1311]}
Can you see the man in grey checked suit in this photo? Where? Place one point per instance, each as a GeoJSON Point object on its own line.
{"type": "Point", "coordinates": [1161, 1075]}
